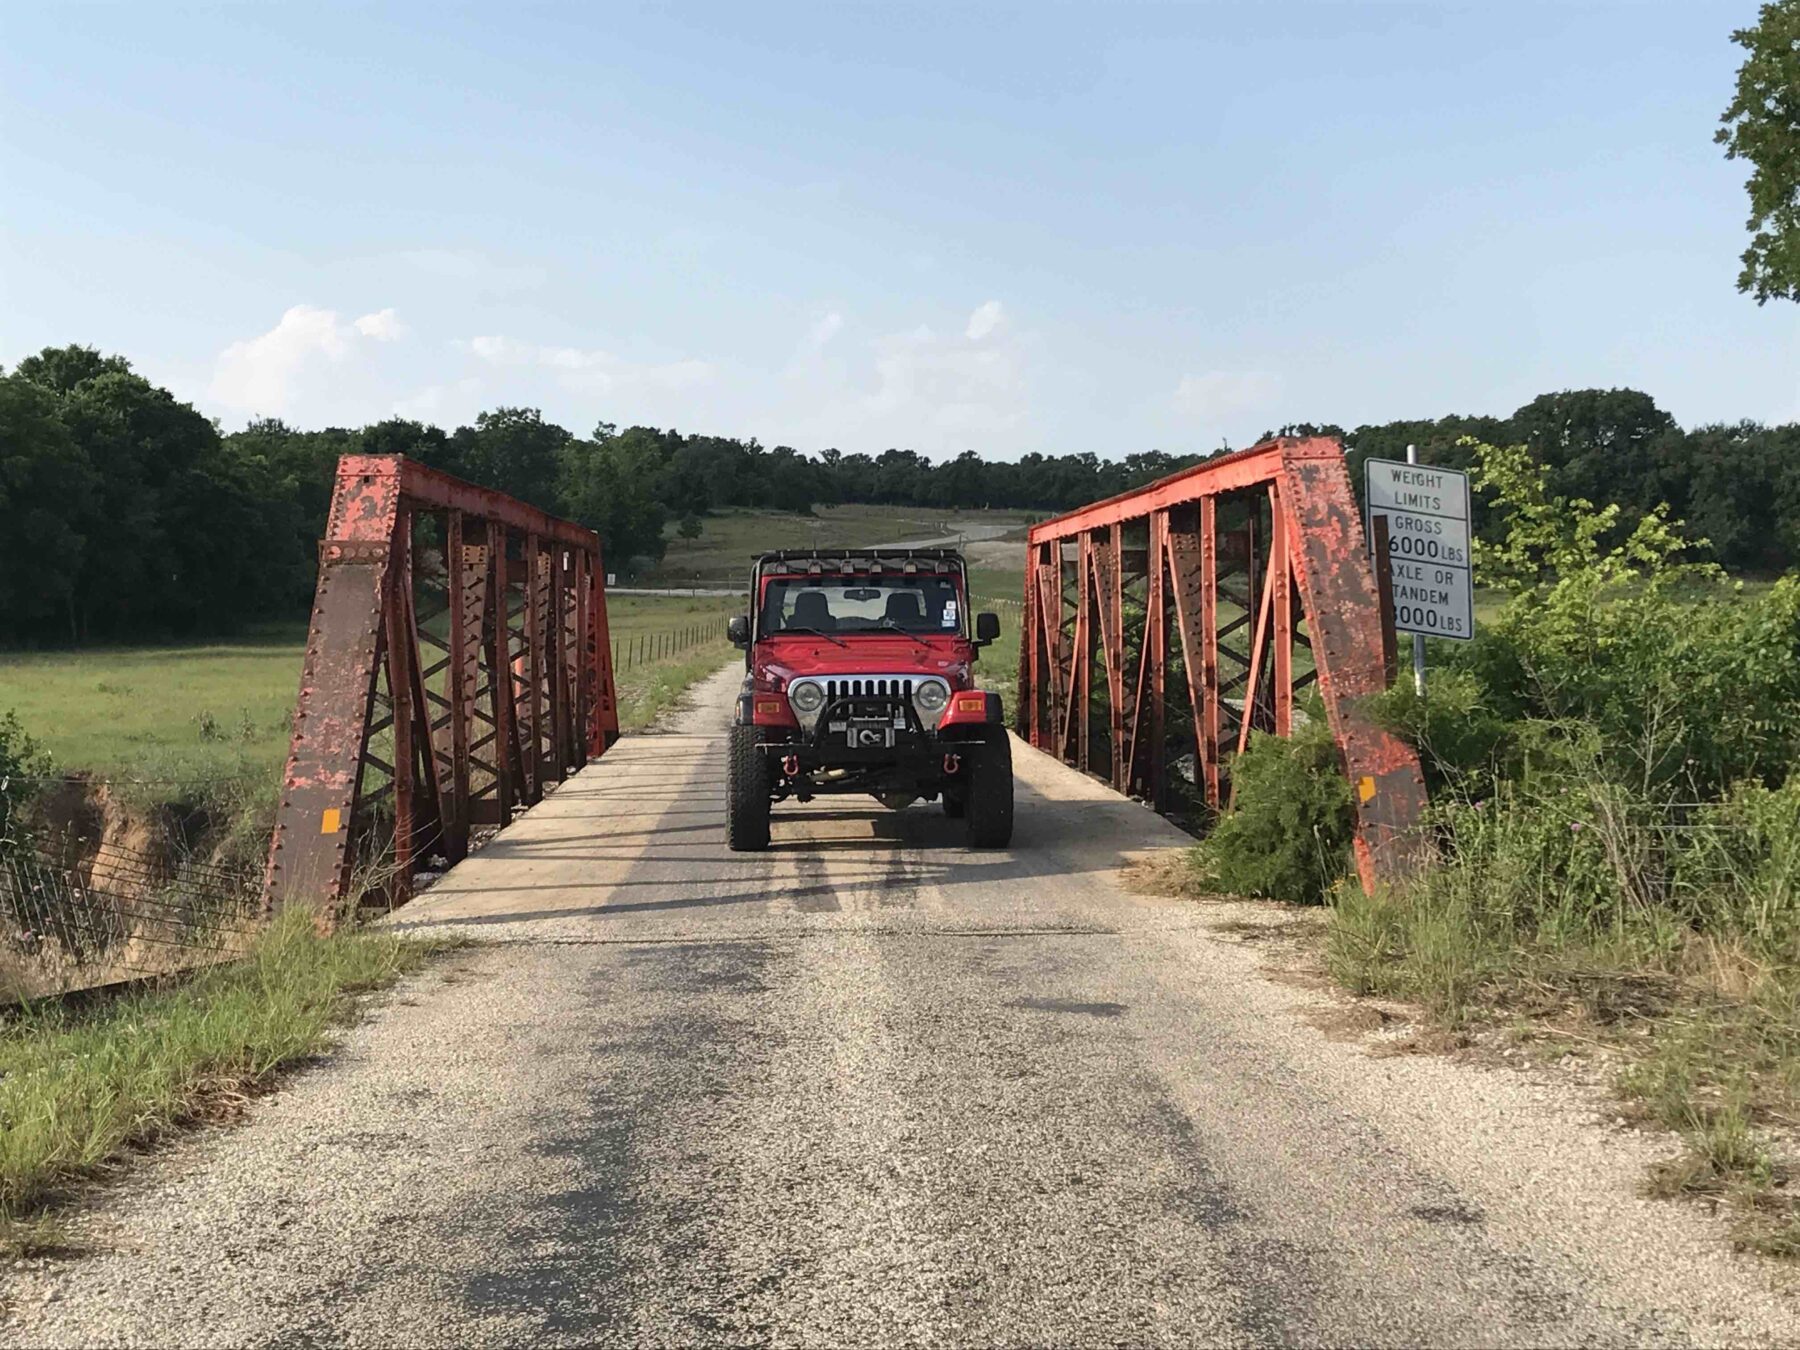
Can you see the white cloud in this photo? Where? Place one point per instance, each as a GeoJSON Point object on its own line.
{"type": "Point", "coordinates": [589, 371]}
{"type": "Point", "coordinates": [384, 326]}
{"type": "Point", "coordinates": [261, 375]}
{"type": "Point", "coordinates": [1222, 393]}
{"type": "Point", "coordinates": [984, 321]}
{"type": "Point", "coordinates": [935, 390]}
{"type": "Point", "coordinates": [954, 386]}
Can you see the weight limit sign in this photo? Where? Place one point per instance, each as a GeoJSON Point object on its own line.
{"type": "Point", "coordinates": [1427, 512]}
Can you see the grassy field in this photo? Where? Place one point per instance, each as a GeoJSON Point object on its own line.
{"type": "Point", "coordinates": [721, 557]}
{"type": "Point", "coordinates": [167, 716]}
{"type": "Point", "coordinates": [728, 540]}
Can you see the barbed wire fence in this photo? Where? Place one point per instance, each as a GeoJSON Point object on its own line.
{"type": "Point", "coordinates": [641, 649]}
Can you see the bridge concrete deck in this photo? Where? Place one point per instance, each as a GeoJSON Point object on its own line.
{"type": "Point", "coordinates": [874, 1088]}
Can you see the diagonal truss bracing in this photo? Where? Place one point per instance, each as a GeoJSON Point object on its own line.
{"type": "Point", "coordinates": [457, 665]}
{"type": "Point", "coordinates": [1165, 625]}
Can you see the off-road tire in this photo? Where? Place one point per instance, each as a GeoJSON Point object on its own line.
{"type": "Point", "coordinates": [990, 791]}
{"type": "Point", "coordinates": [748, 786]}
{"type": "Point", "coordinates": [956, 800]}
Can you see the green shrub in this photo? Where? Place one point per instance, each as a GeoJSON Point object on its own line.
{"type": "Point", "coordinates": [1463, 744]}
{"type": "Point", "coordinates": [1287, 836]}
{"type": "Point", "coordinates": [1682, 677]}
{"type": "Point", "coordinates": [21, 763]}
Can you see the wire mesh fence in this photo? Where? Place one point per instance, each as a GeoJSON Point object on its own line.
{"type": "Point", "coordinates": [75, 915]}
{"type": "Point", "coordinates": [641, 649]}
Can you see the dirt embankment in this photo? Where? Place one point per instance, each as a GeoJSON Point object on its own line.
{"type": "Point", "coordinates": [105, 890]}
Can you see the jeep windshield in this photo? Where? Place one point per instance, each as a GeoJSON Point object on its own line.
{"type": "Point", "coordinates": [919, 605]}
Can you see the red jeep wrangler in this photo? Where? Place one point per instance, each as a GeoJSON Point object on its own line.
{"type": "Point", "coordinates": [859, 681]}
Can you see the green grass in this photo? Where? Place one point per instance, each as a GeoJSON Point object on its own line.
{"type": "Point", "coordinates": [729, 539]}
{"type": "Point", "coordinates": [647, 693]}
{"type": "Point", "coordinates": [197, 711]}
{"type": "Point", "coordinates": [178, 715]}
{"type": "Point", "coordinates": [82, 1086]}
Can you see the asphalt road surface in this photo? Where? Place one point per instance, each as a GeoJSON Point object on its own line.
{"type": "Point", "coordinates": [873, 1088]}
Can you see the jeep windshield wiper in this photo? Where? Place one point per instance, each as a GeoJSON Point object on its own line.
{"type": "Point", "coordinates": [800, 628]}
{"type": "Point", "coordinates": [889, 626]}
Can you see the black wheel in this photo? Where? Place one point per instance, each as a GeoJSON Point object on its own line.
{"type": "Point", "coordinates": [748, 785]}
{"type": "Point", "coordinates": [990, 792]}
{"type": "Point", "coordinates": [956, 800]}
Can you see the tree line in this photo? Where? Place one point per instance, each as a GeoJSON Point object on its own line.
{"type": "Point", "coordinates": [129, 514]}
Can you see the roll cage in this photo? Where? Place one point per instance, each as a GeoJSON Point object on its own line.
{"type": "Point", "coordinates": [872, 563]}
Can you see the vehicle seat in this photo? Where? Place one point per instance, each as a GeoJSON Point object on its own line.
{"type": "Point", "coordinates": [812, 610]}
{"type": "Point", "coordinates": [904, 609]}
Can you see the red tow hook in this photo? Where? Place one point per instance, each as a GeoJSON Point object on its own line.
{"type": "Point", "coordinates": [952, 764]}
{"type": "Point", "coordinates": [791, 766]}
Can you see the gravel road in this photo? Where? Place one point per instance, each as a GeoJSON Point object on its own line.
{"type": "Point", "coordinates": [873, 1088]}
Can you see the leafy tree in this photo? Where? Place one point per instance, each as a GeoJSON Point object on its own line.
{"type": "Point", "coordinates": [157, 524]}
{"type": "Point", "coordinates": [46, 486]}
{"type": "Point", "coordinates": [141, 443]}
{"type": "Point", "coordinates": [1592, 440]}
{"type": "Point", "coordinates": [1762, 125]}
{"type": "Point", "coordinates": [415, 440]}
{"type": "Point", "coordinates": [793, 480]}
{"type": "Point", "coordinates": [201, 531]}
{"type": "Point", "coordinates": [605, 484]}
{"type": "Point", "coordinates": [301, 468]}
{"type": "Point", "coordinates": [690, 527]}
{"type": "Point", "coordinates": [960, 483]}
{"type": "Point", "coordinates": [514, 450]}
{"type": "Point", "coordinates": [61, 369]}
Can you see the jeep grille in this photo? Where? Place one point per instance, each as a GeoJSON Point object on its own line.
{"type": "Point", "coordinates": [878, 686]}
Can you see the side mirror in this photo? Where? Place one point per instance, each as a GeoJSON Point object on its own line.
{"type": "Point", "coordinates": [987, 627]}
{"type": "Point", "coordinates": [737, 628]}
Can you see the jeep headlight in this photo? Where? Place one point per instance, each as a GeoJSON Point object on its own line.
{"type": "Point", "coordinates": [806, 697]}
{"type": "Point", "coordinates": [930, 697]}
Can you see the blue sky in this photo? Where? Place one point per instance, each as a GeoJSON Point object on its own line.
{"type": "Point", "coordinates": [1046, 227]}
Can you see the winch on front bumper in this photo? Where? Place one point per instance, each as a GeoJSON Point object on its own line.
{"type": "Point", "coordinates": [861, 730]}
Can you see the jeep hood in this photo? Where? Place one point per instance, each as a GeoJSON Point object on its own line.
{"type": "Point", "coordinates": [790, 658]}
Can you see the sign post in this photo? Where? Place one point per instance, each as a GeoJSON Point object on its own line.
{"type": "Point", "coordinates": [1424, 512]}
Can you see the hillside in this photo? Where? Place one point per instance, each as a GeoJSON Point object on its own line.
{"type": "Point", "coordinates": [720, 557]}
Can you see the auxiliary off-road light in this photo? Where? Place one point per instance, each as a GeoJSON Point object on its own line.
{"type": "Point", "coordinates": [971, 703]}
{"type": "Point", "coordinates": [930, 696]}
{"type": "Point", "coordinates": [806, 697]}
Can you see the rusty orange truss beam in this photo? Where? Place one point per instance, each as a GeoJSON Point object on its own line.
{"type": "Point", "coordinates": [1249, 570]}
{"type": "Point", "coordinates": [457, 665]}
